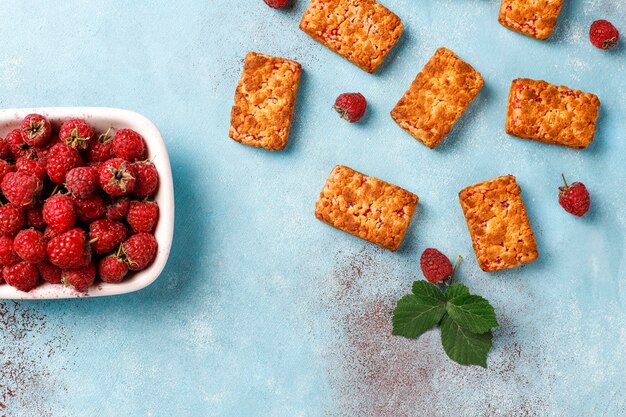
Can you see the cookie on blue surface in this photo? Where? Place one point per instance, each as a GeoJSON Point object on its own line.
{"type": "Point", "coordinates": [534, 18]}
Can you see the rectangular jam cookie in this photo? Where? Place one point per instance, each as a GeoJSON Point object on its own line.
{"type": "Point", "coordinates": [366, 207]}
{"type": "Point", "coordinates": [535, 18]}
{"type": "Point", "coordinates": [437, 97]}
{"type": "Point", "coordinates": [362, 31]}
{"type": "Point", "coordinates": [498, 224]}
{"type": "Point", "coordinates": [264, 101]}
{"type": "Point", "coordinates": [553, 114]}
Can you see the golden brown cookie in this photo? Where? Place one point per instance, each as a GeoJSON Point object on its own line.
{"type": "Point", "coordinates": [535, 18]}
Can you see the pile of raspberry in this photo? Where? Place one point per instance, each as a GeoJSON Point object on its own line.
{"type": "Point", "coordinates": [76, 207]}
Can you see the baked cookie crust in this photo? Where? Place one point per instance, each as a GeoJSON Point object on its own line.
{"type": "Point", "coordinates": [534, 18]}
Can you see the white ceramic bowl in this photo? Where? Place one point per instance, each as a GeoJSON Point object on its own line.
{"type": "Point", "coordinates": [100, 119]}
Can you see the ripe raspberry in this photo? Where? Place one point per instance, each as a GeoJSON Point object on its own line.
{"type": "Point", "coordinates": [90, 209]}
{"type": "Point", "coordinates": [117, 177]}
{"type": "Point", "coordinates": [112, 269]}
{"type": "Point", "coordinates": [34, 218]}
{"type": "Point", "coordinates": [50, 233]}
{"type": "Point", "coordinates": [351, 106]}
{"type": "Point", "coordinates": [5, 152]}
{"type": "Point", "coordinates": [16, 144]}
{"type": "Point", "coordinates": [8, 256]}
{"type": "Point", "coordinates": [106, 235]}
{"type": "Point", "coordinates": [21, 189]}
{"type": "Point", "coordinates": [11, 220]}
{"type": "Point", "coordinates": [82, 182]}
{"type": "Point", "coordinates": [70, 249]}
{"type": "Point", "coordinates": [277, 4]}
{"type": "Point", "coordinates": [5, 168]}
{"type": "Point", "coordinates": [49, 272]}
{"type": "Point", "coordinates": [118, 210]}
{"type": "Point", "coordinates": [30, 245]}
{"type": "Point", "coordinates": [35, 130]}
{"type": "Point", "coordinates": [436, 266]}
{"type": "Point", "coordinates": [61, 159]}
{"type": "Point", "coordinates": [147, 179]}
{"type": "Point", "coordinates": [129, 145]}
{"type": "Point", "coordinates": [603, 34]}
{"type": "Point", "coordinates": [574, 198]}
{"type": "Point", "coordinates": [142, 216]}
{"type": "Point", "coordinates": [32, 165]}
{"type": "Point", "coordinates": [75, 133]}
{"type": "Point", "coordinates": [42, 153]}
{"type": "Point", "coordinates": [22, 276]}
{"type": "Point", "coordinates": [80, 278]}
{"type": "Point", "coordinates": [59, 213]}
{"type": "Point", "coordinates": [140, 250]}
{"type": "Point", "coordinates": [101, 150]}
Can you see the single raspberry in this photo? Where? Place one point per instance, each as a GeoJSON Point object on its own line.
{"type": "Point", "coordinates": [8, 256]}
{"type": "Point", "coordinates": [351, 106]}
{"type": "Point", "coordinates": [106, 235]}
{"type": "Point", "coordinates": [603, 34]}
{"type": "Point", "coordinates": [277, 4]}
{"type": "Point", "coordinates": [59, 213]}
{"type": "Point", "coordinates": [139, 250]}
{"type": "Point", "coordinates": [112, 269]}
{"type": "Point", "coordinates": [30, 245]}
{"type": "Point", "coordinates": [16, 144]}
{"type": "Point", "coordinates": [129, 145]}
{"type": "Point", "coordinates": [35, 130]}
{"type": "Point", "coordinates": [80, 278]}
{"type": "Point", "coordinates": [21, 189]}
{"type": "Point", "coordinates": [5, 152]}
{"type": "Point", "coordinates": [82, 182]}
{"type": "Point", "coordinates": [142, 216]}
{"type": "Point", "coordinates": [101, 150]}
{"type": "Point", "coordinates": [117, 177]}
{"type": "Point", "coordinates": [436, 266]}
{"type": "Point", "coordinates": [70, 249]}
{"type": "Point", "coordinates": [147, 179]}
{"type": "Point", "coordinates": [11, 220]}
{"type": "Point", "coordinates": [61, 159]}
{"type": "Point", "coordinates": [118, 210]}
{"type": "Point", "coordinates": [75, 133]}
{"type": "Point", "coordinates": [22, 276]}
{"type": "Point", "coordinates": [34, 218]}
{"type": "Point", "coordinates": [574, 198]}
{"type": "Point", "coordinates": [32, 165]}
{"type": "Point", "coordinates": [49, 272]}
{"type": "Point", "coordinates": [90, 209]}
{"type": "Point", "coordinates": [5, 168]}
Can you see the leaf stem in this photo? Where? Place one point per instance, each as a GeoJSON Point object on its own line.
{"type": "Point", "coordinates": [566, 186]}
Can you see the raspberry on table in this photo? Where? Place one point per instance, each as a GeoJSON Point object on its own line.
{"type": "Point", "coordinates": [351, 106]}
{"type": "Point", "coordinates": [574, 198]}
{"type": "Point", "coordinates": [142, 216]}
{"type": "Point", "coordinates": [436, 266]}
{"type": "Point", "coordinates": [277, 4]}
{"type": "Point", "coordinates": [36, 130]}
{"type": "Point", "coordinates": [59, 213]}
{"type": "Point", "coordinates": [603, 34]}
{"type": "Point", "coordinates": [75, 133]}
{"type": "Point", "coordinates": [129, 145]}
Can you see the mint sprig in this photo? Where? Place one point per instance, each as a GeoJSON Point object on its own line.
{"type": "Point", "coordinates": [466, 320]}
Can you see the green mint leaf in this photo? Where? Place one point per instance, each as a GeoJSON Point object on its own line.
{"type": "Point", "coordinates": [456, 290]}
{"type": "Point", "coordinates": [463, 346]}
{"type": "Point", "coordinates": [472, 312]}
{"type": "Point", "coordinates": [415, 313]}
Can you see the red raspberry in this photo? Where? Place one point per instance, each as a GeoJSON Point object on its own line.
{"type": "Point", "coordinates": [42, 153]}
{"type": "Point", "coordinates": [106, 235]}
{"type": "Point", "coordinates": [118, 210]}
{"type": "Point", "coordinates": [117, 177]}
{"type": "Point", "coordinates": [5, 152]}
{"type": "Point", "coordinates": [59, 213]}
{"type": "Point", "coordinates": [30, 245]}
{"type": "Point", "coordinates": [75, 133]}
{"type": "Point", "coordinates": [351, 106]}
{"type": "Point", "coordinates": [34, 218]}
{"type": "Point", "coordinates": [82, 182]}
{"type": "Point", "coordinates": [277, 4]}
{"type": "Point", "coordinates": [436, 266]}
{"type": "Point", "coordinates": [142, 216]}
{"type": "Point", "coordinates": [61, 159]}
{"type": "Point", "coordinates": [603, 34]}
{"type": "Point", "coordinates": [5, 168]}
{"type": "Point", "coordinates": [16, 144]}
{"type": "Point", "coordinates": [22, 276]}
{"type": "Point", "coordinates": [50, 233]}
{"type": "Point", "coordinates": [80, 278]}
{"type": "Point", "coordinates": [112, 269]}
{"type": "Point", "coordinates": [35, 130]}
{"type": "Point", "coordinates": [8, 256]}
{"type": "Point", "coordinates": [129, 145]}
{"type": "Point", "coordinates": [147, 179]}
{"type": "Point", "coordinates": [140, 250]}
{"type": "Point", "coordinates": [11, 220]}
{"type": "Point", "coordinates": [101, 150]}
{"type": "Point", "coordinates": [49, 272]}
{"type": "Point", "coordinates": [90, 209]}
{"type": "Point", "coordinates": [33, 166]}
{"type": "Point", "coordinates": [574, 198]}
{"type": "Point", "coordinates": [70, 249]}
{"type": "Point", "coordinates": [21, 189]}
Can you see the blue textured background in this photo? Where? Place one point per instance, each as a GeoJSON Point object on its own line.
{"type": "Point", "coordinates": [264, 311]}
